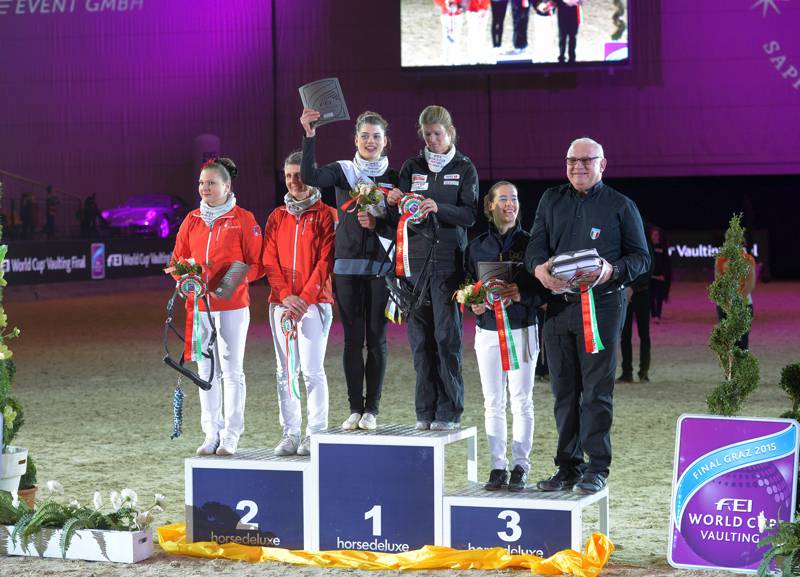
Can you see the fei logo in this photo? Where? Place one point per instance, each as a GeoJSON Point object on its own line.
{"type": "Point", "coordinates": [98, 260]}
{"type": "Point", "coordinates": [594, 234]}
{"type": "Point", "coordinates": [735, 505]}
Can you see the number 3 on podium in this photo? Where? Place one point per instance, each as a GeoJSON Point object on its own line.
{"type": "Point", "coordinates": [512, 526]}
{"type": "Point", "coordinates": [375, 515]}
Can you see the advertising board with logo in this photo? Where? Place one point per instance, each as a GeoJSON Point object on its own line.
{"type": "Point", "coordinates": [735, 478]}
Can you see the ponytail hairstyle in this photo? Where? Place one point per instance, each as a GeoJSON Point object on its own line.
{"type": "Point", "coordinates": [491, 194]}
{"type": "Point", "coordinates": [225, 166]}
{"type": "Point", "coordinates": [435, 114]}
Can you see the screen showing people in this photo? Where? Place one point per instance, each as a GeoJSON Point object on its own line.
{"type": "Point", "coordinates": [436, 33]}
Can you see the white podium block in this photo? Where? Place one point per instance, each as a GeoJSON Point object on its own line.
{"type": "Point", "coordinates": [531, 521]}
{"type": "Point", "coordinates": [251, 498]}
{"type": "Point", "coordinates": [382, 490]}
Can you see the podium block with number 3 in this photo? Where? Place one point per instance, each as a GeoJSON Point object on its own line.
{"type": "Point", "coordinates": [532, 522]}
{"type": "Point", "coordinates": [382, 490]}
{"type": "Point", "coordinates": [253, 498]}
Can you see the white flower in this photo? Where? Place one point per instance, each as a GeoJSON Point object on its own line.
{"type": "Point", "coordinates": [55, 487]}
{"type": "Point", "coordinates": [157, 509]}
{"type": "Point", "coordinates": [762, 522]}
{"type": "Point", "coordinates": [161, 500]}
{"type": "Point", "coordinates": [130, 496]}
{"type": "Point", "coordinates": [15, 502]}
{"type": "Point", "coordinates": [97, 501]}
{"type": "Point", "coordinates": [116, 500]}
{"type": "Point", "coordinates": [143, 519]}
{"type": "Point", "coordinates": [74, 503]}
{"type": "Point", "coordinates": [191, 261]}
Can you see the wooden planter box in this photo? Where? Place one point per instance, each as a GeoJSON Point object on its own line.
{"type": "Point", "coordinates": [86, 544]}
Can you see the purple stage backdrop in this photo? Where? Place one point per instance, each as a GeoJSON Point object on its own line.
{"type": "Point", "coordinates": [735, 479]}
{"type": "Point", "coordinates": [107, 96]}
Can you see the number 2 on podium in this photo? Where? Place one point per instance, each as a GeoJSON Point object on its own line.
{"type": "Point", "coordinates": [252, 511]}
{"type": "Point", "coordinates": [375, 515]}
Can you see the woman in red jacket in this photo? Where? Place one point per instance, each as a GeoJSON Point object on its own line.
{"type": "Point", "coordinates": [298, 260]}
{"type": "Point", "coordinates": [216, 235]}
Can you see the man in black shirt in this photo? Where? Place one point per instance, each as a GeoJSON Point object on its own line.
{"type": "Point", "coordinates": [584, 214]}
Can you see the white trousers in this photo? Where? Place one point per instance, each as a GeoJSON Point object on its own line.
{"type": "Point", "coordinates": [494, 381]}
{"type": "Point", "coordinates": [309, 356]}
{"type": "Point", "coordinates": [228, 382]}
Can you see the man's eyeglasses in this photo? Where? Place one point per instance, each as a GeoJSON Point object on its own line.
{"type": "Point", "coordinates": [572, 161]}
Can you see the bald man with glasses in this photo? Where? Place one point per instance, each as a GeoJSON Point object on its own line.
{"type": "Point", "coordinates": [585, 214]}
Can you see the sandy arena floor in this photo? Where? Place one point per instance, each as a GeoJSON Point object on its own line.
{"type": "Point", "coordinates": [98, 410]}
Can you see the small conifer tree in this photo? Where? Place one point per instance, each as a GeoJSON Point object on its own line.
{"type": "Point", "coordinates": [740, 368]}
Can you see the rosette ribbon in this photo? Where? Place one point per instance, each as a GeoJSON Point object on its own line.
{"type": "Point", "coordinates": [289, 328]}
{"type": "Point", "coordinates": [192, 288]}
{"type": "Point", "coordinates": [591, 334]}
{"type": "Point", "coordinates": [508, 352]}
{"type": "Point", "coordinates": [354, 200]}
{"type": "Point", "coordinates": [410, 212]}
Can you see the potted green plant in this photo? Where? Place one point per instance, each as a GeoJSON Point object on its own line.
{"type": "Point", "coordinates": [13, 460]}
{"type": "Point", "coordinates": [784, 549]}
{"type": "Point", "coordinates": [790, 382]}
{"type": "Point", "coordinates": [27, 484]}
{"type": "Point", "coordinates": [114, 530]}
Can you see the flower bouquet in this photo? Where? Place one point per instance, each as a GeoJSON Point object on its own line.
{"type": "Point", "coordinates": [466, 295]}
{"type": "Point", "coordinates": [182, 267]}
{"type": "Point", "coordinates": [368, 197]}
{"type": "Point", "coordinates": [103, 529]}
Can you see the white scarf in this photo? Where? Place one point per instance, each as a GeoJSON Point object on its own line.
{"type": "Point", "coordinates": [211, 213]}
{"type": "Point", "coordinates": [371, 168]}
{"type": "Point", "coordinates": [298, 207]}
{"type": "Point", "coordinates": [436, 162]}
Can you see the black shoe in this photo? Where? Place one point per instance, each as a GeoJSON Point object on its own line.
{"type": "Point", "coordinates": [643, 378]}
{"type": "Point", "coordinates": [498, 479]}
{"type": "Point", "coordinates": [625, 378]}
{"type": "Point", "coordinates": [562, 480]}
{"type": "Point", "coordinates": [519, 479]}
{"type": "Point", "coordinates": [590, 483]}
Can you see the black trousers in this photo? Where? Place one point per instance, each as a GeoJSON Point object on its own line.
{"type": "Point", "coordinates": [639, 307]}
{"type": "Point", "coordinates": [434, 335]}
{"type": "Point", "coordinates": [567, 32]}
{"type": "Point", "coordinates": [498, 18]}
{"type": "Point", "coordinates": [362, 302]}
{"type": "Point", "coordinates": [520, 17]}
{"type": "Point", "coordinates": [658, 292]}
{"type": "Point", "coordinates": [583, 383]}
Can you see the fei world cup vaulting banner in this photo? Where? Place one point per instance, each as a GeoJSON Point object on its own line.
{"type": "Point", "coordinates": [734, 479]}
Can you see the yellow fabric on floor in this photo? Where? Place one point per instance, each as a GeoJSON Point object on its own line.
{"type": "Point", "coordinates": [172, 539]}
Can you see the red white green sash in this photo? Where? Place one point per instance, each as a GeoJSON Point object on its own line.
{"type": "Point", "coordinates": [591, 334]}
{"type": "Point", "coordinates": [508, 352]}
{"type": "Point", "coordinates": [410, 212]}
{"type": "Point", "coordinates": [192, 288]}
{"type": "Point", "coordinates": [289, 328]}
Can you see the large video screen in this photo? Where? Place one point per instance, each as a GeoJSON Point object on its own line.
{"type": "Point", "coordinates": [498, 33]}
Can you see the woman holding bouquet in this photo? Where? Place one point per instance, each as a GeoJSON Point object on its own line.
{"type": "Point", "coordinates": [216, 235]}
{"type": "Point", "coordinates": [506, 241]}
{"type": "Point", "coordinates": [362, 237]}
{"type": "Point", "coordinates": [438, 188]}
{"type": "Point", "coordinates": [297, 258]}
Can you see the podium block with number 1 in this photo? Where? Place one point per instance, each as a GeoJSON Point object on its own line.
{"type": "Point", "coordinates": [382, 490]}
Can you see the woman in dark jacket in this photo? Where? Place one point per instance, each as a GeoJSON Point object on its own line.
{"type": "Point", "coordinates": [444, 188]}
{"type": "Point", "coordinates": [505, 241]}
{"type": "Point", "coordinates": [362, 238]}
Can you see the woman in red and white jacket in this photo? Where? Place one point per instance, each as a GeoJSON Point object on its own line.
{"type": "Point", "coordinates": [216, 235]}
{"type": "Point", "coordinates": [298, 261]}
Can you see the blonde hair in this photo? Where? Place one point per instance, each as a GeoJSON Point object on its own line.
{"type": "Point", "coordinates": [435, 114]}
{"type": "Point", "coordinates": [489, 198]}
